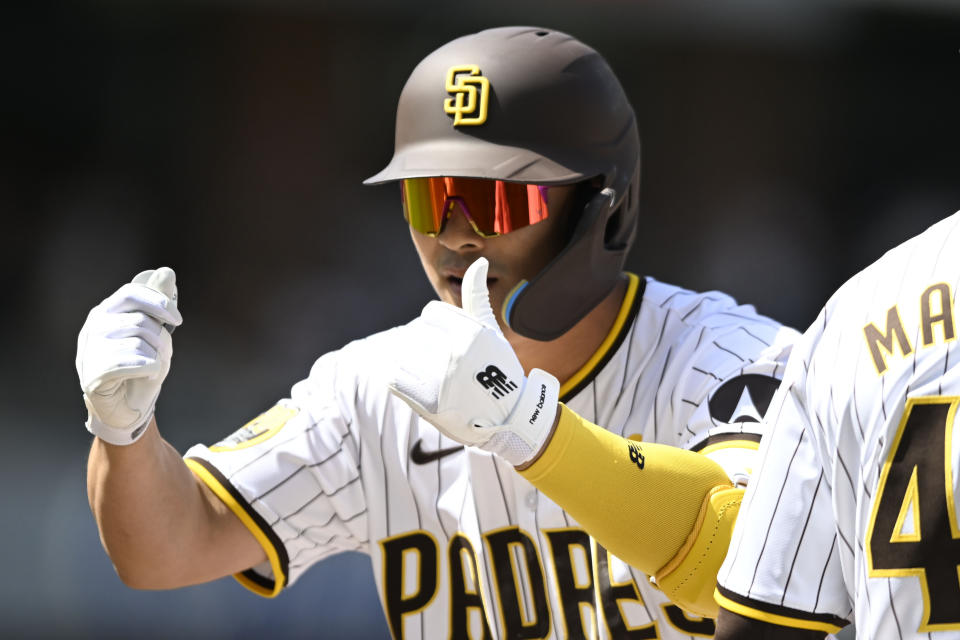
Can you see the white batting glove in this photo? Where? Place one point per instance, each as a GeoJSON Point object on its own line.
{"type": "Point", "coordinates": [123, 355]}
{"type": "Point", "coordinates": [463, 377]}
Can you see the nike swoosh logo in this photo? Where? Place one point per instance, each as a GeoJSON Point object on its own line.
{"type": "Point", "coordinates": [419, 456]}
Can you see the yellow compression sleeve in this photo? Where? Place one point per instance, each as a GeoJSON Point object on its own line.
{"type": "Point", "coordinates": [666, 511]}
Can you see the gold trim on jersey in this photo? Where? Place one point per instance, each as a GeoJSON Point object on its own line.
{"type": "Point", "coordinates": [614, 337]}
{"type": "Point", "coordinates": [948, 473]}
{"type": "Point", "coordinates": [276, 555]}
{"type": "Point", "coordinates": [911, 505]}
{"type": "Point", "coordinates": [773, 618]}
{"type": "Point", "coordinates": [729, 444]}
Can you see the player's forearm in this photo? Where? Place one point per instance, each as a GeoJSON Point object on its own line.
{"type": "Point", "coordinates": [157, 523]}
{"type": "Point", "coordinates": [654, 506]}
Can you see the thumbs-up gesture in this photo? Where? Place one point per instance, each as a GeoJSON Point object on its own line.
{"type": "Point", "coordinates": [461, 375]}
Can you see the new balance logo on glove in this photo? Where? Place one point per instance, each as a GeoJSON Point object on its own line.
{"type": "Point", "coordinates": [518, 423]}
{"type": "Point", "coordinates": [492, 377]}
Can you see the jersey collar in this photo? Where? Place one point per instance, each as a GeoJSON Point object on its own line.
{"type": "Point", "coordinates": [610, 344]}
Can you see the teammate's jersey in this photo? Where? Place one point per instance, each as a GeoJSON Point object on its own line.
{"type": "Point", "coordinates": [853, 513]}
{"type": "Point", "coordinates": [461, 545]}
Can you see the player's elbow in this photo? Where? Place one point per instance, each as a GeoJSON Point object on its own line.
{"type": "Point", "coordinates": [145, 578]}
{"type": "Point", "coordinates": [147, 570]}
{"type": "Point", "coordinates": [142, 577]}
{"type": "Point", "coordinates": [136, 579]}
{"type": "Point", "coordinates": [690, 576]}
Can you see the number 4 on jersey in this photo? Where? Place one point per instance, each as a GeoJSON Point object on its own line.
{"type": "Point", "coordinates": [913, 525]}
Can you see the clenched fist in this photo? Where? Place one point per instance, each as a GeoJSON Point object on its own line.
{"type": "Point", "coordinates": [123, 355]}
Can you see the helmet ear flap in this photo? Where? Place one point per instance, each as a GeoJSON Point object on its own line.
{"type": "Point", "coordinates": [622, 223]}
{"type": "Point", "coordinates": [574, 282]}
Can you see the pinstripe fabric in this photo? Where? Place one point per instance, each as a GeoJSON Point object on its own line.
{"type": "Point", "coordinates": [308, 483]}
{"type": "Point", "coordinates": [802, 538]}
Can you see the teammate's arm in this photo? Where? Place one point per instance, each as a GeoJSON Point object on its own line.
{"type": "Point", "coordinates": [731, 626]}
{"type": "Point", "coordinates": [161, 526]}
{"type": "Point", "coordinates": [783, 515]}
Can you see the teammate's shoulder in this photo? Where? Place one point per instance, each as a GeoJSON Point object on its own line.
{"type": "Point", "coordinates": [927, 245]}
{"type": "Point", "coordinates": [903, 271]}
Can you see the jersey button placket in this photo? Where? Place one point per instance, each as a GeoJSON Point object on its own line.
{"type": "Point", "coordinates": [531, 499]}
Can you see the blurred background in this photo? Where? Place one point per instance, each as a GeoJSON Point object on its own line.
{"type": "Point", "coordinates": [786, 144]}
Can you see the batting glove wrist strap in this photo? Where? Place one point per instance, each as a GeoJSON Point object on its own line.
{"type": "Point", "coordinates": [526, 431]}
{"type": "Point", "coordinates": [113, 435]}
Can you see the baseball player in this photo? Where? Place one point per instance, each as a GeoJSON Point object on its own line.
{"type": "Point", "coordinates": [853, 514]}
{"type": "Point", "coordinates": [517, 156]}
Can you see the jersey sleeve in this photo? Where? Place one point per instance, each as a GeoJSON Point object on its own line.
{"type": "Point", "coordinates": [728, 384]}
{"type": "Point", "coordinates": [292, 476]}
{"type": "Point", "coordinates": [781, 567]}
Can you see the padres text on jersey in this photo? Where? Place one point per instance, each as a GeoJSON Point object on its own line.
{"type": "Point", "coordinates": [462, 546]}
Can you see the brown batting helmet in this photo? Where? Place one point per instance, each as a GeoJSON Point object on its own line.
{"type": "Point", "coordinates": [526, 104]}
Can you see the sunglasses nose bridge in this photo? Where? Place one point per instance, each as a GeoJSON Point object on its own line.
{"type": "Point", "coordinates": [453, 203]}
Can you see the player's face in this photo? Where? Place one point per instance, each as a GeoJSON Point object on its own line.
{"type": "Point", "coordinates": [513, 256]}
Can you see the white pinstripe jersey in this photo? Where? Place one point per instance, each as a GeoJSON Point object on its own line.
{"type": "Point", "coordinates": [853, 513]}
{"type": "Point", "coordinates": [461, 545]}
